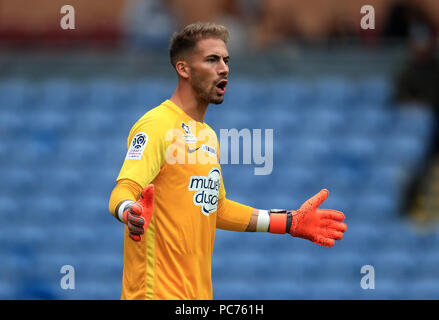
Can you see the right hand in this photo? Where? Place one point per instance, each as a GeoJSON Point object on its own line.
{"type": "Point", "coordinates": [138, 215]}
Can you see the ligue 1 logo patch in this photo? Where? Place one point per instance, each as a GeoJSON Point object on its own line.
{"type": "Point", "coordinates": [137, 146]}
{"type": "Point", "coordinates": [186, 128]}
{"type": "Point", "coordinates": [188, 136]}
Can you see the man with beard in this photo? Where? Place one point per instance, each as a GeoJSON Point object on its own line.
{"type": "Point", "coordinates": [170, 193]}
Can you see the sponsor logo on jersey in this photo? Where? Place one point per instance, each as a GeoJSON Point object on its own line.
{"type": "Point", "coordinates": [209, 150]}
{"type": "Point", "coordinates": [137, 146]}
{"type": "Point", "coordinates": [207, 190]}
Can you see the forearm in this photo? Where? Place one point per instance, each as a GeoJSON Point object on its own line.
{"type": "Point", "coordinates": [251, 227]}
{"type": "Point", "coordinates": [125, 190]}
{"type": "Point", "coordinates": [233, 216]}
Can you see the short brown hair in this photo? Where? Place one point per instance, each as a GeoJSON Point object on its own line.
{"type": "Point", "coordinates": [186, 39]}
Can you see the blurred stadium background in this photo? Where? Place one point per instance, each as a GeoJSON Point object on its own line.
{"type": "Point", "coordinates": [335, 95]}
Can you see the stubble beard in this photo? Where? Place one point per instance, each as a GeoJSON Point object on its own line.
{"type": "Point", "coordinates": [203, 92]}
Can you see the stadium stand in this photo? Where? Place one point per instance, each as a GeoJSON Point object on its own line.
{"type": "Point", "coordinates": [62, 143]}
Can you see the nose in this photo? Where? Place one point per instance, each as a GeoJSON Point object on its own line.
{"type": "Point", "coordinates": [223, 68]}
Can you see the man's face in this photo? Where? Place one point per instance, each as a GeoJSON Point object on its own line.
{"type": "Point", "coordinates": [209, 70]}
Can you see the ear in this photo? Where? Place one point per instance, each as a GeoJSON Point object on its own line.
{"type": "Point", "coordinates": [183, 69]}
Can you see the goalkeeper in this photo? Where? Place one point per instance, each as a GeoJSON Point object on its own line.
{"type": "Point", "coordinates": [170, 193]}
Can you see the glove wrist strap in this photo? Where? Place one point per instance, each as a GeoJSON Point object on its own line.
{"type": "Point", "coordinates": [280, 221]}
{"type": "Point", "coordinates": [121, 209]}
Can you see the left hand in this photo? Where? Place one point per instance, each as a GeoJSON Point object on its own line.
{"type": "Point", "coordinates": [321, 226]}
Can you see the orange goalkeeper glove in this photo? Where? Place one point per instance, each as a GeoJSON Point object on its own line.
{"type": "Point", "coordinates": [137, 215]}
{"type": "Point", "coordinates": [321, 226]}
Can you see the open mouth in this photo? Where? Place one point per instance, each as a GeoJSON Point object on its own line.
{"type": "Point", "coordinates": [221, 86]}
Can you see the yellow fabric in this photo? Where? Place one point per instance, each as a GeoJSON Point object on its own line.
{"type": "Point", "coordinates": [173, 259]}
{"type": "Point", "coordinates": [124, 190]}
{"type": "Point", "coordinates": [232, 215]}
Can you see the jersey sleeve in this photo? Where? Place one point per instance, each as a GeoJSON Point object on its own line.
{"type": "Point", "coordinates": [146, 150]}
{"type": "Point", "coordinates": [232, 215]}
{"type": "Point", "coordinates": [124, 190]}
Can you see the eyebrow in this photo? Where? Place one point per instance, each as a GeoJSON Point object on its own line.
{"type": "Point", "coordinates": [217, 57]}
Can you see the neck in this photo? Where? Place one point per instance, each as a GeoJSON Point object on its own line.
{"type": "Point", "coordinates": [185, 98]}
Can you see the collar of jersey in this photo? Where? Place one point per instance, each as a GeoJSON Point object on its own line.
{"type": "Point", "coordinates": [177, 109]}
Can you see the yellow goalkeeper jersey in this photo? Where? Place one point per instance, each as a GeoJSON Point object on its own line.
{"type": "Point", "coordinates": [180, 157]}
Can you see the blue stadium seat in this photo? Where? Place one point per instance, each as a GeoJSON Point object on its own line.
{"type": "Point", "coordinates": [17, 181]}
{"type": "Point", "coordinates": [308, 151]}
{"type": "Point", "coordinates": [415, 120]}
{"type": "Point", "coordinates": [427, 289]}
{"type": "Point", "coordinates": [400, 236]}
{"type": "Point", "coordinates": [376, 204]}
{"type": "Point", "coordinates": [95, 124]}
{"type": "Point", "coordinates": [291, 92]}
{"type": "Point", "coordinates": [363, 237]}
{"type": "Point", "coordinates": [13, 93]}
{"type": "Point", "coordinates": [282, 290]}
{"type": "Point", "coordinates": [394, 265]}
{"type": "Point", "coordinates": [334, 91]}
{"type": "Point", "coordinates": [7, 205]}
{"type": "Point", "coordinates": [7, 291]}
{"type": "Point", "coordinates": [57, 94]}
{"type": "Point", "coordinates": [150, 92]}
{"type": "Point", "coordinates": [325, 122]}
{"type": "Point", "coordinates": [12, 123]}
{"type": "Point", "coordinates": [235, 290]}
{"type": "Point", "coordinates": [60, 180]}
{"type": "Point", "coordinates": [48, 121]}
{"type": "Point", "coordinates": [246, 266]}
{"type": "Point", "coordinates": [44, 208]}
{"type": "Point", "coordinates": [359, 147]}
{"type": "Point", "coordinates": [405, 151]}
{"type": "Point", "coordinates": [369, 123]}
{"type": "Point", "coordinates": [385, 290]}
{"type": "Point", "coordinates": [102, 93]}
{"type": "Point", "coordinates": [330, 289]}
{"type": "Point", "coordinates": [239, 95]}
{"type": "Point", "coordinates": [375, 91]}
{"type": "Point", "coordinates": [79, 152]}
{"type": "Point", "coordinates": [100, 267]}
{"type": "Point", "coordinates": [342, 265]}
{"type": "Point", "coordinates": [342, 179]}
{"type": "Point", "coordinates": [384, 179]}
